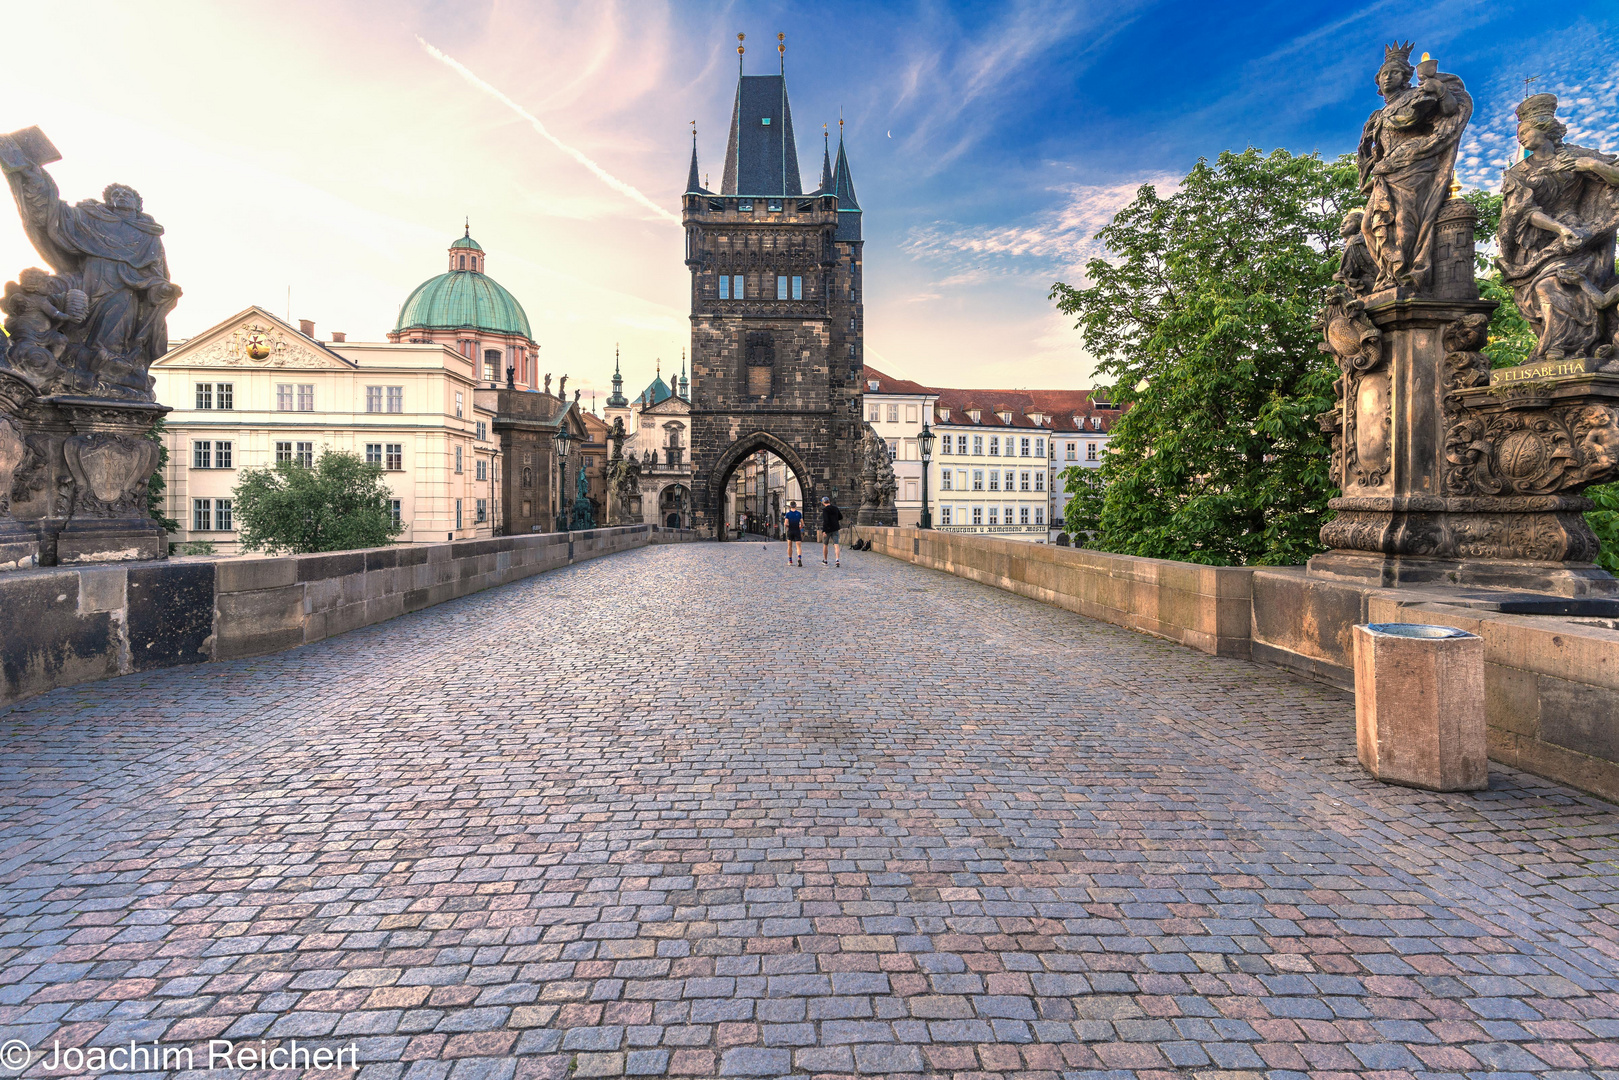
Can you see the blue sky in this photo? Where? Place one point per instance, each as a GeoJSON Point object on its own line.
{"type": "Point", "coordinates": [328, 148]}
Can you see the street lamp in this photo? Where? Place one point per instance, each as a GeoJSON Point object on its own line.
{"type": "Point", "coordinates": [564, 440]}
{"type": "Point", "coordinates": [924, 443]}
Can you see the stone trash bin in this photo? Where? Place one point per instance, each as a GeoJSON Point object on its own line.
{"type": "Point", "coordinates": [1419, 706]}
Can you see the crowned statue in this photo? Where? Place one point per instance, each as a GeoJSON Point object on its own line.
{"type": "Point", "coordinates": [1559, 214]}
{"type": "Point", "coordinates": [1406, 156]}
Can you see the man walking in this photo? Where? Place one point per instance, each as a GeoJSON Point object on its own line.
{"type": "Point", "coordinates": [831, 522]}
{"type": "Point", "coordinates": [794, 520]}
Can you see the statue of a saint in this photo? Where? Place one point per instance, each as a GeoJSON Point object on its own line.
{"type": "Point", "coordinates": [1407, 153]}
{"type": "Point", "coordinates": [1357, 270]}
{"type": "Point", "coordinates": [113, 253]}
{"type": "Point", "coordinates": [1559, 214]}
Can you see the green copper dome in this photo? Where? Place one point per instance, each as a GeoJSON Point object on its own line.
{"type": "Point", "coordinates": [467, 242]}
{"type": "Point", "coordinates": [463, 298]}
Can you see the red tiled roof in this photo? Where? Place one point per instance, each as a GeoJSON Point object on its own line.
{"type": "Point", "coordinates": [1061, 411]}
{"type": "Point", "coordinates": [887, 384]}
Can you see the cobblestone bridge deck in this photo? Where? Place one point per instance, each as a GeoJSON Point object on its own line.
{"type": "Point", "coordinates": [688, 811]}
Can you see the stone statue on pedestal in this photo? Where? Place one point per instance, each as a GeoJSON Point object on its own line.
{"type": "Point", "coordinates": [623, 478]}
{"type": "Point", "coordinates": [877, 484]}
{"type": "Point", "coordinates": [1559, 213]}
{"type": "Point", "coordinates": [1450, 472]}
{"type": "Point", "coordinates": [74, 385]}
{"type": "Point", "coordinates": [1407, 151]}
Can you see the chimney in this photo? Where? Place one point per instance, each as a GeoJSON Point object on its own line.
{"type": "Point", "coordinates": [306, 327]}
{"type": "Point", "coordinates": [337, 335]}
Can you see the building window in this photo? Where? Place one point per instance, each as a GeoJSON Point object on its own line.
{"type": "Point", "coordinates": [851, 350]}
{"type": "Point", "coordinates": [283, 397]}
{"type": "Point", "coordinates": [961, 444]}
{"type": "Point", "coordinates": [223, 516]}
{"type": "Point", "coordinates": [1023, 515]}
{"type": "Point", "coordinates": [893, 414]}
{"type": "Point", "coordinates": [1069, 453]}
{"type": "Point", "coordinates": [995, 480]}
{"type": "Point", "coordinates": [483, 431]}
{"type": "Point", "coordinates": [1090, 451]}
{"type": "Point", "coordinates": [1039, 515]}
{"type": "Point", "coordinates": [995, 446]}
{"type": "Point", "coordinates": [876, 413]}
{"type": "Point", "coordinates": [944, 515]}
{"type": "Point", "coordinates": [994, 515]}
{"type": "Point", "coordinates": [373, 454]}
{"type": "Point", "coordinates": [306, 397]}
{"type": "Point", "coordinates": [1023, 448]}
{"type": "Point", "coordinates": [737, 290]}
{"type": "Point", "coordinates": [798, 288]}
{"type": "Point", "coordinates": [460, 404]}
{"type": "Point", "coordinates": [458, 513]}
{"type": "Point", "coordinates": [223, 455]}
{"type": "Point", "coordinates": [396, 509]}
{"type": "Point", "coordinates": [978, 479]}
{"type": "Point", "coordinates": [458, 460]}
{"type": "Point", "coordinates": [481, 508]}
{"type": "Point", "coordinates": [1023, 480]}
{"type": "Point", "coordinates": [978, 446]}
{"type": "Point", "coordinates": [202, 515]}
{"type": "Point", "coordinates": [1040, 480]}
{"type": "Point", "coordinates": [893, 449]}
{"type": "Point", "coordinates": [781, 288]}
{"type": "Point", "coordinates": [283, 452]}
{"type": "Point", "coordinates": [205, 395]}
{"type": "Point", "coordinates": [396, 398]}
{"type": "Point", "coordinates": [1040, 448]}
{"type": "Point", "coordinates": [373, 399]}
{"type": "Point", "coordinates": [944, 445]}
{"type": "Point", "coordinates": [482, 472]}
{"type": "Point", "coordinates": [944, 480]}
{"type": "Point", "coordinates": [394, 457]}
{"type": "Point", "coordinates": [491, 365]}
{"type": "Point", "coordinates": [1009, 515]}
{"type": "Point", "coordinates": [306, 455]}
{"type": "Point", "coordinates": [202, 455]}
{"type": "Point", "coordinates": [725, 286]}
{"type": "Point", "coordinates": [978, 515]}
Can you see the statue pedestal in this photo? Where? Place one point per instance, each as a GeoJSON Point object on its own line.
{"type": "Point", "coordinates": [83, 482]}
{"type": "Point", "coordinates": [1447, 479]}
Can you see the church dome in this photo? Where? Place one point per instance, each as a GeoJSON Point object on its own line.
{"type": "Point", "coordinates": [463, 298]}
{"type": "Point", "coordinates": [656, 392]}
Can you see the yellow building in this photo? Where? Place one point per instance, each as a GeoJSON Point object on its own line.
{"type": "Point", "coordinates": [253, 390]}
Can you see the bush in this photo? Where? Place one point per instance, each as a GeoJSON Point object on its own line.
{"type": "Point", "coordinates": [193, 547]}
{"type": "Point", "coordinates": [338, 505]}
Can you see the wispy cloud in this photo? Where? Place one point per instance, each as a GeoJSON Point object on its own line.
{"type": "Point", "coordinates": [1055, 242]}
{"type": "Point", "coordinates": [596, 170]}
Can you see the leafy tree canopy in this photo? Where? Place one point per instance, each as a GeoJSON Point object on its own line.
{"type": "Point", "coordinates": [155, 483]}
{"type": "Point", "coordinates": [1203, 316]}
{"type": "Point", "coordinates": [339, 504]}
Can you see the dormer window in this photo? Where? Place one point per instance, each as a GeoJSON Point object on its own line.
{"type": "Point", "coordinates": [944, 414]}
{"type": "Point", "coordinates": [1096, 422]}
{"type": "Point", "coordinates": [1006, 417]}
{"type": "Point", "coordinates": [976, 414]}
{"type": "Point", "coordinates": [871, 384]}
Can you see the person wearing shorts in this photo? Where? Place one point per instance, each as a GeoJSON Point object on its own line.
{"type": "Point", "coordinates": [793, 520]}
{"type": "Point", "coordinates": [831, 523]}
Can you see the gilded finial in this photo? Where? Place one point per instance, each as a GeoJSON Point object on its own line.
{"type": "Point", "coordinates": [739, 48]}
{"type": "Point", "coordinates": [1425, 56]}
{"type": "Point", "coordinates": [781, 47]}
{"type": "Point", "coordinates": [1455, 186]}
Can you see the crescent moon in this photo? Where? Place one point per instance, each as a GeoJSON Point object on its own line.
{"type": "Point", "coordinates": [890, 133]}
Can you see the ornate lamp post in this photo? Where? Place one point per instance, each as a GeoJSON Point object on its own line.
{"type": "Point", "coordinates": [563, 440]}
{"type": "Point", "coordinates": [924, 443]}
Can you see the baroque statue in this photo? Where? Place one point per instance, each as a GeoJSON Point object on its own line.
{"type": "Point", "coordinates": [877, 484]}
{"type": "Point", "coordinates": [1406, 155]}
{"type": "Point", "coordinates": [75, 393]}
{"type": "Point", "coordinates": [94, 327]}
{"type": "Point", "coordinates": [623, 478]}
{"type": "Point", "coordinates": [1559, 214]}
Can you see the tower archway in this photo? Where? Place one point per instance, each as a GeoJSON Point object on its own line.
{"type": "Point", "coordinates": [719, 478]}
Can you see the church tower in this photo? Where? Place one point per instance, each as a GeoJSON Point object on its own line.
{"type": "Point", "coordinates": [776, 308]}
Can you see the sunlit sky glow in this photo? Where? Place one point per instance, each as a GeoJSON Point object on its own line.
{"type": "Point", "coordinates": [333, 148]}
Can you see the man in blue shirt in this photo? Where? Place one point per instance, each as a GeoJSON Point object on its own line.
{"type": "Point", "coordinates": [793, 519]}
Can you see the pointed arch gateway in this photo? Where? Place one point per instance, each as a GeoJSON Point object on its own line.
{"type": "Point", "coordinates": [738, 452]}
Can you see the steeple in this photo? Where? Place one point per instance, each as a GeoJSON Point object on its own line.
{"type": "Point", "coordinates": [617, 400]}
{"type": "Point", "coordinates": [826, 162]}
{"type": "Point", "coordinates": [685, 386]}
{"type": "Point", "coordinates": [843, 188]}
{"type": "Point", "coordinates": [761, 158]}
{"type": "Point", "coordinates": [693, 183]}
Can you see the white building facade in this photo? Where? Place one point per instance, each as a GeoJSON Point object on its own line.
{"type": "Point", "coordinates": [896, 409]}
{"type": "Point", "coordinates": [253, 391]}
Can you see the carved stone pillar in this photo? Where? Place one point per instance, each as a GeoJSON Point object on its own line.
{"type": "Point", "coordinates": [19, 544]}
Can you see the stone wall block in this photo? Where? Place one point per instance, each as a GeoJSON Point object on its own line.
{"type": "Point", "coordinates": [258, 622]}
{"type": "Point", "coordinates": [1419, 706]}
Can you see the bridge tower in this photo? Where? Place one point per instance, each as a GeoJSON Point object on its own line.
{"type": "Point", "coordinates": [776, 309]}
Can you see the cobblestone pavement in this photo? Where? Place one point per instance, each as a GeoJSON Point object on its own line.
{"type": "Point", "coordinates": [689, 811]}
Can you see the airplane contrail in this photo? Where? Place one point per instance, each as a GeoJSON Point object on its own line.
{"type": "Point", "coordinates": [601, 174]}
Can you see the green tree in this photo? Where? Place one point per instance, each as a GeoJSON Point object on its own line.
{"type": "Point", "coordinates": [338, 505]}
{"type": "Point", "coordinates": [155, 484]}
{"type": "Point", "coordinates": [1203, 316]}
